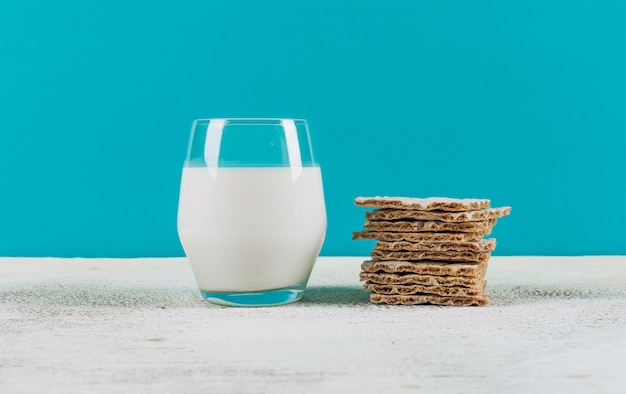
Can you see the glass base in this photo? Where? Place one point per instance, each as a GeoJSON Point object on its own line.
{"type": "Point", "coordinates": [255, 298]}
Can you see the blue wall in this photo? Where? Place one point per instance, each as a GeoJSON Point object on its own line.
{"type": "Point", "coordinates": [523, 102]}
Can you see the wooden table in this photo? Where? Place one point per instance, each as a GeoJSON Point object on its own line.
{"type": "Point", "coordinates": [555, 324]}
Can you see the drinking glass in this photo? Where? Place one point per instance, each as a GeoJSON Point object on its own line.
{"type": "Point", "coordinates": [251, 214]}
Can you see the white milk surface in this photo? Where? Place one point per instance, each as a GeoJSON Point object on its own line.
{"type": "Point", "coordinates": [251, 229]}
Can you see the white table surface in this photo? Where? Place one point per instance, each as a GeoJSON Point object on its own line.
{"type": "Point", "coordinates": [555, 324]}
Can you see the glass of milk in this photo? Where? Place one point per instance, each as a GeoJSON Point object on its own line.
{"type": "Point", "coordinates": [251, 214]}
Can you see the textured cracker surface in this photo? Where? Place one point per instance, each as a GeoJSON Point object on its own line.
{"type": "Point", "coordinates": [423, 204]}
{"type": "Point", "coordinates": [454, 217]}
{"type": "Point", "coordinates": [449, 256]}
{"type": "Point", "coordinates": [430, 225]}
{"type": "Point", "coordinates": [475, 270]}
{"type": "Point", "coordinates": [553, 325]}
{"type": "Point", "coordinates": [416, 279]}
{"type": "Point", "coordinates": [450, 291]}
{"type": "Point", "coordinates": [420, 237]}
{"type": "Point", "coordinates": [484, 245]}
{"type": "Point", "coordinates": [421, 299]}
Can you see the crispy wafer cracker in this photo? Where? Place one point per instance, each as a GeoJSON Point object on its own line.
{"type": "Point", "coordinates": [418, 299]}
{"type": "Point", "coordinates": [420, 237]}
{"type": "Point", "coordinates": [423, 204]}
{"type": "Point", "coordinates": [484, 245]}
{"type": "Point", "coordinates": [452, 217]}
{"type": "Point", "coordinates": [450, 291]}
{"type": "Point", "coordinates": [475, 270]}
{"type": "Point", "coordinates": [449, 256]}
{"type": "Point", "coordinates": [417, 279]}
{"type": "Point", "coordinates": [429, 225]}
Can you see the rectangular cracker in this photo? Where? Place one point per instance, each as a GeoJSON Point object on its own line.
{"type": "Point", "coordinates": [448, 256]}
{"type": "Point", "coordinates": [420, 299]}
{"type": "Point", "coordinates": [448, 291]}
{"type": "Point", "coordinates": [436, 268]}
{"type": "Point", "coordinates": [420, 237]}
{"type": "Point", "coordinates": [452, 217]}
{"type": "Point", "coordinates": [484, 245]}
{"type": "Point", "coordinates": [423, 204]}
{"type": "Point", "coordinates": [429, 225]}
{"type": "Point", "coordinates": [384, 278]}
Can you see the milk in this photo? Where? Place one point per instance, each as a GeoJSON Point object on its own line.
{"type": "Point", "coordinates": [251, 229]}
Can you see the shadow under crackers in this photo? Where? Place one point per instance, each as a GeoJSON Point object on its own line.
{"type": "Point", "coordinates": [335, 295]}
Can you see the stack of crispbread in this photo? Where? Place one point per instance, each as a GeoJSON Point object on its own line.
{"type": "Point", "coordinates": [429, 250]}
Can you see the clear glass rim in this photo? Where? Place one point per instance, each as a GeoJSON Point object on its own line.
{"type": "Point", "coordinates": [251, 119]}
{"type": "Point", "coordinates": [207, 133]}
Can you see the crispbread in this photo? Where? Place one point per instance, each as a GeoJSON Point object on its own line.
{"type": "Point", "coordinates": [474, 270]}
{"type": "Point", "coordinates": [429, 250]}
{"type": "Point", "coordinates": [384, 278]}
{"type": "Point", "coordinates": [429, 225]}
{"type": "Point", "coordinates": [449, 291]}
{"type": "Point", "coordinates": [453, 217]}
{"type": "Point", "coordinates": [423, 204]}
{"type": "Point", "coordinates": [484, 245]}
{"type": "Point", "coordinates": [420, 237]}
{"type": "Point", "coordinates": [431, 255]}
{"type": "Point", "coordinates": [450, 256]}
{"type": "Point", "coordinates": [427, 299]}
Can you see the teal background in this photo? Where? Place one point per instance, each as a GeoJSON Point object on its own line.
{"type": "Point", "coordinates": [522, 102]}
